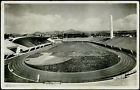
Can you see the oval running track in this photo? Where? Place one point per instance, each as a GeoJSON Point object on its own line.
{"type": "Point", "coordinates": [20, 69]}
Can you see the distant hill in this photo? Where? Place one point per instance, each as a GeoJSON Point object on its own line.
{"type": "Point", "coordinates": [73, 31]}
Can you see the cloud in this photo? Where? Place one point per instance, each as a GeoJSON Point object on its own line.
{"type": "Point", "coordinates": [31, 22]}
{"type": "Point", "coordinates": [126, 23]}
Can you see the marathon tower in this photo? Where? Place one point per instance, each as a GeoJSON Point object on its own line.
{"type": "Point", "coordinates": [111, 26]}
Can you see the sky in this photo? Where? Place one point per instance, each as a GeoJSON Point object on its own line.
{"type": "Point", "coordinates": [30, 18]}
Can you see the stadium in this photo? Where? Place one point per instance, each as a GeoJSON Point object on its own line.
{"type": "Point", "coordinates": [53, 43]}
{"type": "Point", "coordinates": [70, 60]}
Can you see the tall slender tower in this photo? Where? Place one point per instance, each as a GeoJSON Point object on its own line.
{"type": "Point", "coordinates": [111, 26]}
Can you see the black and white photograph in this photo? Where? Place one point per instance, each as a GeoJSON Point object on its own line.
{"type": "Point", "coordinates": [70, 45]}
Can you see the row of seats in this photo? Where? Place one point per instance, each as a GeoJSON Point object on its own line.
{"type": "Point", "coordinates": [31, 41]}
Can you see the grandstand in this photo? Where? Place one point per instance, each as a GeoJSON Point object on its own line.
{"type": "Point", "coordinates": [123, 42]}
{"type": "Point", "coordinates": [32, 41]}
